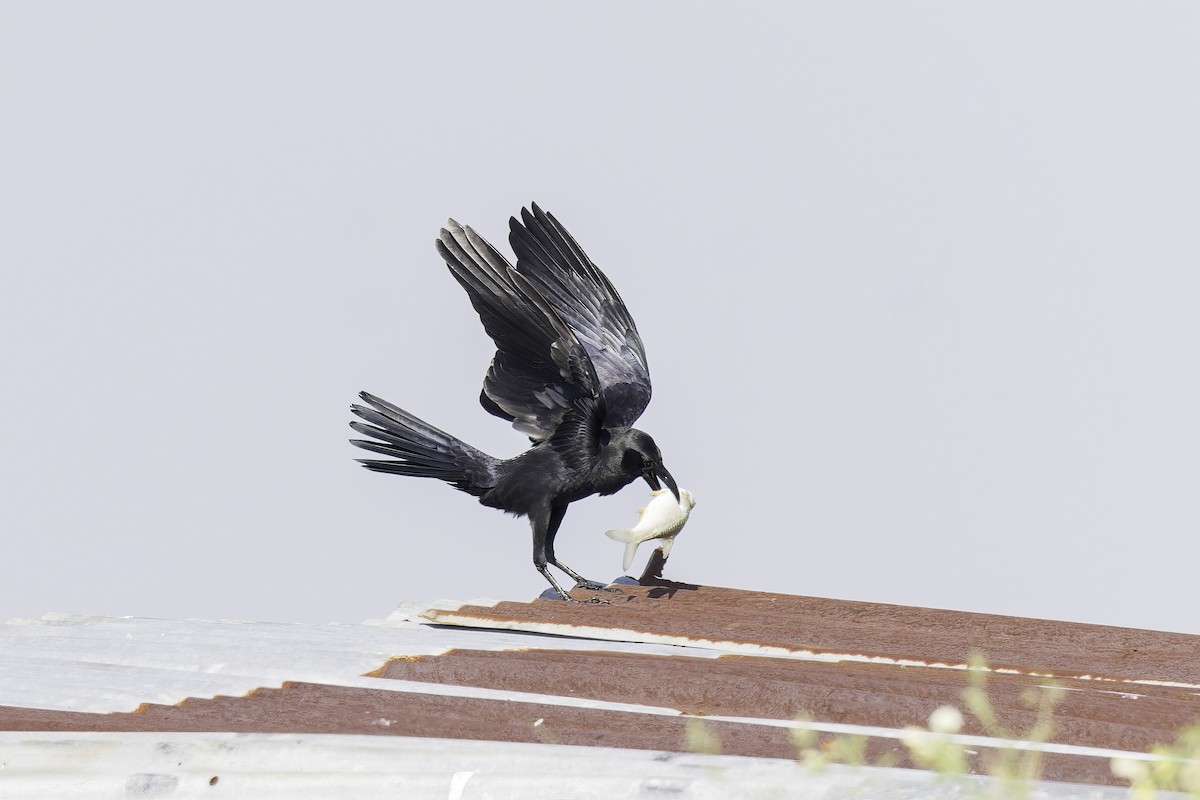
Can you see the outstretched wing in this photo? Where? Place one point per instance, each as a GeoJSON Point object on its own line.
{"type": "Point", "coordinates": [582, 296]}
{"type": "Point", "coordinates": [540, 368]}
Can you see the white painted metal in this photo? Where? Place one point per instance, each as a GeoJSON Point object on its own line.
{"type": "Point", "coordinates": [265, 767]}
{"type": "Point", "coordinates": [90, 663]}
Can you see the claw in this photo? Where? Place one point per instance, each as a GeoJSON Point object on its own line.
{"type": "Point", "coordinates": [596, 586]}
{"type": "Point", "coordinates": [580, 583]}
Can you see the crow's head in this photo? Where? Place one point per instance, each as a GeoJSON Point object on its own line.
{"type": "Point", "coordinates": [640, 456]}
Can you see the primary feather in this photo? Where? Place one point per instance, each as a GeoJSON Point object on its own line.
{"type": "Point", "coordinates": [585, 299]}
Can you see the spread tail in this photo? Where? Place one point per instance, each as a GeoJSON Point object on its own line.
{"type": "Point", "coordinates": [419, 448]}
{"type": "Point", "coordinates": [631, 545]}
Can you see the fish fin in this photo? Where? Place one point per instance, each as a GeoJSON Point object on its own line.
{"type": "Point", "coordinates": [664, 546]}
{"type": "Point", "coordinates": [641, 511]}
{"type": "Point", "coordinates": [657, 492]}
{"type": "Point", "coordinates": [630, 552]}
{"type": "Point", "coordinates": [620, 534]}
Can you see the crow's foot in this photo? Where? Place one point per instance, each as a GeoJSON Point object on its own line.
{"type": "Point", "coordinates": [591, 600]}
{"type": "Point", "coordinates": [580, 583]}
{"type": "Point", "coordinates": [596, 586]}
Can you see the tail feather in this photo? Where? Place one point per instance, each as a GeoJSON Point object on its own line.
{"type": "Point", "coordinates": [429, 468]}
{"type": "Point", "coordinates": [388, 416]}
{"type": "Point", "coordinates": [406, 446]}
{"type": "Point", "coordinates": [420, 449]}
{"type": "Point", "coordinates": [401, 468]}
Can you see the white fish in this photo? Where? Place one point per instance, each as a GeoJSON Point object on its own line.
{"type": "Point", "coordinates": [662, 519]}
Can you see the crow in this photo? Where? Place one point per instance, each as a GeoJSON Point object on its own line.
{"type": "Point", "coordinates": [569, 372]}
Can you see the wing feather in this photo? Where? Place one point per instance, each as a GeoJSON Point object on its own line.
{"type": "Point", "coordinates": [569, 360]}
{"type": "Point", "coordinates": [559, 271]}
{"type": "Point", "coordinates": [540, 368]}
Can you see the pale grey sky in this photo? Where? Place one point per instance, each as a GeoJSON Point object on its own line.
{"type": "Point", "coordinates": [918, 283]}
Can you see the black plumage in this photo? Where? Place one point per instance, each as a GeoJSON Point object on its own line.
{"type": "Point", "coordinates": [570, 372]}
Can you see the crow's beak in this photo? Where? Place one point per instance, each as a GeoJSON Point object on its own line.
{"type": "Point", "coordinates": [652, 474]}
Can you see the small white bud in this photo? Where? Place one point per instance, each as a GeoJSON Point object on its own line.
{"type": "Point", "coordinates": [946, 719]}
{"type": "Point", "coordinates": [1128, 768]}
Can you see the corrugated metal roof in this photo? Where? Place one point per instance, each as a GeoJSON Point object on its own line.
{"type": "Point", "coordinates": [625, 675]}
{"type": "Point", "coordinates": [759, 623]}
{"type": "Point", "coordinates": [292, 767]}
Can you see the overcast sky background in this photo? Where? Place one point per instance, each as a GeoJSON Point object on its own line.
{"type": "Point", "coordinates": [918, 284]}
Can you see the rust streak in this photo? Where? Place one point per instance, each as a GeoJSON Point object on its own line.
{"type": "Point", "coordinates": [315, 708]}
{"type": "Point", "coordinates": [863, 632]}
{"type": "Point", "coordinates": [859, 694]}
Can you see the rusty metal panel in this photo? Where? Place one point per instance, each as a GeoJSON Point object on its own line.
{"type": "Point", "coordinates": [322, 709]}
{"type": "Point", "coordinates": [760, 623]}
{"type": "Point", "coordinates": [881, 695]}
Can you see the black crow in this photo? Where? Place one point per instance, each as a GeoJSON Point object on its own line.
{"type": "Point", "coordinates": [569, 372]}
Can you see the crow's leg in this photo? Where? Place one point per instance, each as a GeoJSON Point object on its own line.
{"type": "Point", "coordinates": [545, 522]}
{"type": "Point", "coordinates": [556, 517]}
{"type": "Point", "coordinates": [540, 521]}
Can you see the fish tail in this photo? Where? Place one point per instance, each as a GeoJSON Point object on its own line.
{"type": "Point", "coordinates": [631, 544]}
{"type": "Point", "coordinates": [620, 534]}
{"type": "Point", "coordinates": [630, 552]}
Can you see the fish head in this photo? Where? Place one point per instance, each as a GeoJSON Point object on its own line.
{"type": "Point", "coordinates": [652, 472]}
